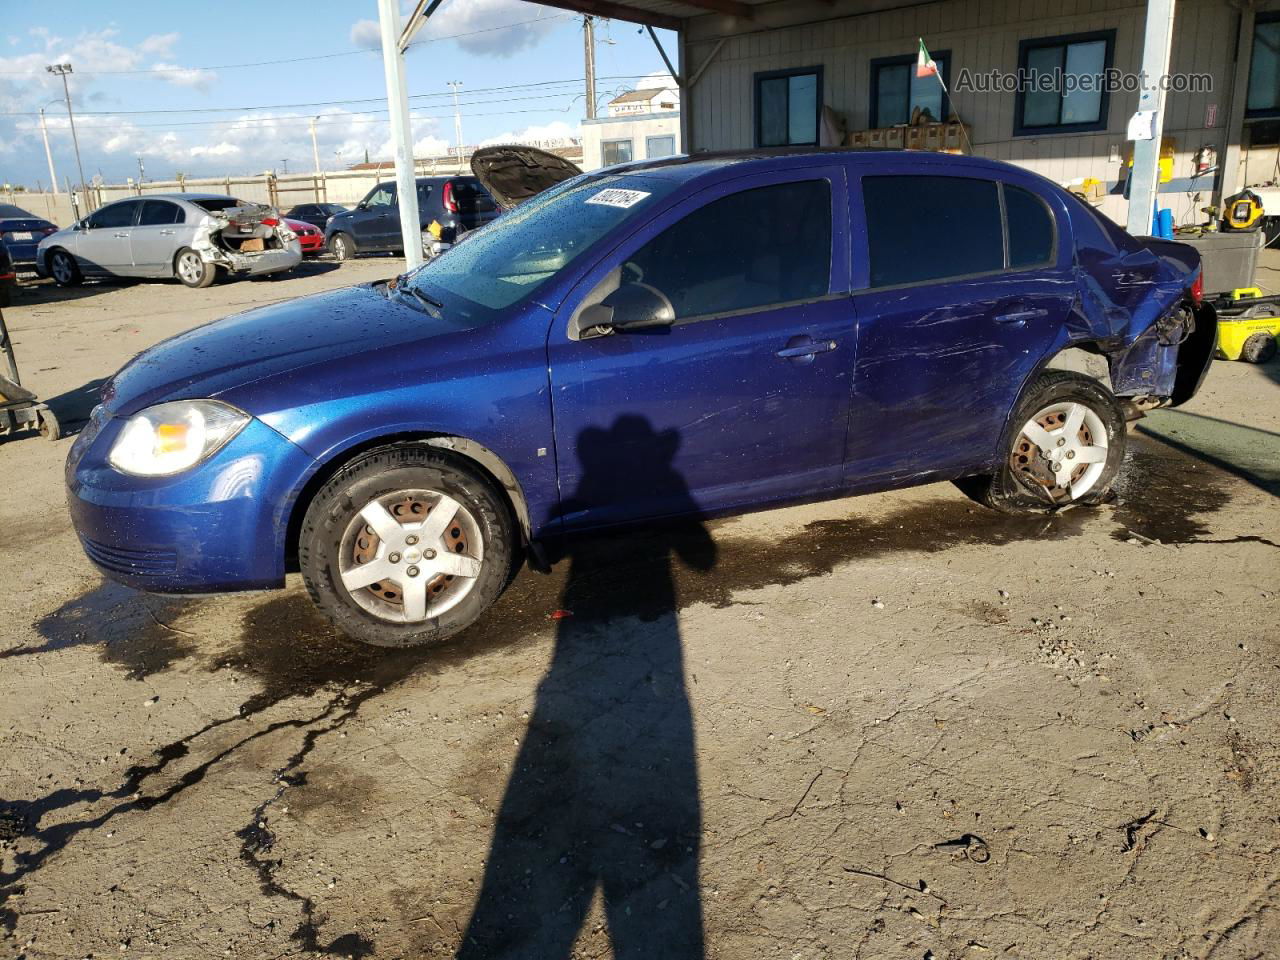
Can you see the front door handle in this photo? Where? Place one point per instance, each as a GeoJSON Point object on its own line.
{"type": "Point", "coordinates": [166, 233]}
{"type": "Point", "coordinates": [805, 348]}
{"type": "Point", "coordinates": [120, 236]}
{"type": "Point", "coordinates": [1021, 316]}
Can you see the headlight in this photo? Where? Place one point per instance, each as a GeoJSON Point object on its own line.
{"type": "Point", "coordinates": [172, 437]}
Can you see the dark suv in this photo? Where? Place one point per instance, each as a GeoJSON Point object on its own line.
{"type": "Point", "coordinates": [457, 204]}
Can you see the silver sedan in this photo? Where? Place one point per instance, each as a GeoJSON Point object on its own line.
{"type": "Point", "coordinates": [191, 236]}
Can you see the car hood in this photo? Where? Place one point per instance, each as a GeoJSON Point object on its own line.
{"type": "Point", "coordinates": [514, 173]}
{"type": "Point", "coordinates": [235, 351]}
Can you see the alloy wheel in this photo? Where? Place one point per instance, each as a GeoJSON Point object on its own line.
{"type": "Point", "coordinates": [410, 555]}
{"type": "Point", "coordinates": [1062, 449]}
{"type": "Point", "coordinates": [190, 267]}
{"type": "Point", "coordinates": [62, 269]}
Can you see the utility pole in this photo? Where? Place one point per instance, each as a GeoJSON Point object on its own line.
{"type": "Point", "coordinates": [457, 118]}
{"type": "Point", "coordinates": [401, 132]}
{"type": "Point", "coordinates": [63, 70]}
{"type": "Point", "coordinates": [142, 173]}
{"type": "Point", "coordinates": [1144, 179]}
{"type": "Point", "coordinates": [48, 154]}
{"type": "Point", "coordinates": [315, 153]}
{"type": "Point", "coordinates": [589, 51]}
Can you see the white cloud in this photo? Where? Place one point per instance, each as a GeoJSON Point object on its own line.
{"type": "Point", "coordinates": [366, 34]}
{"type": "Point", "coordinates": [184, 76]}
{"type": "Point", "coordinates": [158, 44]}
{"type": "Point", "coordinates": [556, 130]}
{"type": "Point", "coordinates": [479, 18]}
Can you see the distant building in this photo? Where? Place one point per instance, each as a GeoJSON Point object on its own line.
{"type": "Point", "coordinates": [641, 125]}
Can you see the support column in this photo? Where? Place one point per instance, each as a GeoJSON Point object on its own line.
{"type": "Point", "coordinates": [401, 132]}
{"type": "Point", "coordinates": [1231, 181]}
{"type": "Point", "coordinates": [1144, 181]}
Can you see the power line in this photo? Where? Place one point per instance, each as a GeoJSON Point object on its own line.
{"type": "Point", "coordinates": [320, 103]}
{"type": "Point", "coordinates": [319, 56]}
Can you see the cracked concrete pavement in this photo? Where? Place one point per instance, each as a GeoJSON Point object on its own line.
{"type": "Point", "coordinates": [896, 726]}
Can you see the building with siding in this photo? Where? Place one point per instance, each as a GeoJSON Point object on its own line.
{"type": "Point", "coordinates": [760, 72]}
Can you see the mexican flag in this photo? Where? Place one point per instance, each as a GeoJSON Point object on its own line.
{"type": "Point", "coordinates": [925, 67]}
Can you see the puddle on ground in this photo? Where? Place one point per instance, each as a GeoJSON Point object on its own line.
{"type": "Point", "coordinates": [1164, 494]}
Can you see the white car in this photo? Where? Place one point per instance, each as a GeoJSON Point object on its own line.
{"type": "Point", "coordinates": [191, 236]}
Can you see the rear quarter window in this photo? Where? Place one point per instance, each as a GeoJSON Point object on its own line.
{"type": "Point", "coordinates": [1032, 233]}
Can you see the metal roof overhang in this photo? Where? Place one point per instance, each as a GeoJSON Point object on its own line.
{"type": "Point", "coordinates": [668, 14]}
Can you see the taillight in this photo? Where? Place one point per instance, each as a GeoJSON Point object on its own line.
{"type": "Point", "coordinates": [447, 198]}
{"type": "Point", "coordinates": [270, 222]}
{"type": "Point", "coordinates": [49, 230]}
{"type": "Point", "coordinates": [1197, 289]}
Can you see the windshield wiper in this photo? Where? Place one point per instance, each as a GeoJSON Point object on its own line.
{"type": "Point", "coordinates": [432, 306]}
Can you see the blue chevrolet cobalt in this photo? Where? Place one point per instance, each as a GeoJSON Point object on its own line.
{"type": "Point", "coordinates": [690, 336]}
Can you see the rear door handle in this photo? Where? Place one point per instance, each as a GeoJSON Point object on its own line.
{"type": "Point", "coordinates": [1021, 316]}
{"type": "Point", "coordinates": [801, 347]}
{"type": "Point", "coordinates": [120, 236]}
{"type": "Point", "coordinates": [166, 233]}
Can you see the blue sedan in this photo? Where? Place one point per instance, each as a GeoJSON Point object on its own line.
{"type": "Point", "coordinates": [689, 336]}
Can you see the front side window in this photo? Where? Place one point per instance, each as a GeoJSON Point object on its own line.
{"type": "Point", "coordinates": [897, 93]}
{"type": "Point", "coordinates": [615, 151]}
{"type": "Point", "coordinates": [382, 196]}
{"type": "Point", "coordinates": [1264, 68]}
{"type": "Point", "coordinates": [114, 215]}
{"type": "Point", "coordinates": [1062, 83]}
{"type": "Point", "coordinates": [787, 105]}
{"type": "Point", "coordinates": [748, 250]}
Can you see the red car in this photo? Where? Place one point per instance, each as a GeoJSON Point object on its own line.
{"type": "Point", "coordinates": [309, 238]}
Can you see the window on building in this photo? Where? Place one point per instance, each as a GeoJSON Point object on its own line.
{"type": "Point", "coordinates": [787, 105]}
{"type": "Point", "coordinates": [655, 147]}
{"type": "Point", "coordinates": [728, 256]}
{"type": "Point", "coordinates": [615, 151]}
{"type": "Point", "coordinates": [1264, 68]}
{"type": "Point", "coordinates": [1062, 83]}
{"type": "Point", "coordinates": [896, 91]}
{"type": "Point", "coordinates": [931, 228]}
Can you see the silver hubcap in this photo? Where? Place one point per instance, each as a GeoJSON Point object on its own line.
{"type": "Point", "coordinates": [61, 269]}
{"type": "Point", "coordinates": [190, 267]}
{"type": "Point", "coordinates": [411, 555]}
{"type": "Point", "coordinates": [1063, 448]}
{"type": "Point", "coordinates": [340, 248]}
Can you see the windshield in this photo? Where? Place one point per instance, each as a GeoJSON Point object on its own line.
{"type": "Point", "coordinates": [514, 255]}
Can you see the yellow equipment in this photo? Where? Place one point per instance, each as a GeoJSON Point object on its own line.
{"type": "Point", "coordinates": [1242, 212]}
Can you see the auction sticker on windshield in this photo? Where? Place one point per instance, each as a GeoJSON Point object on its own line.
{"type": "Point", "coordinates": [617, 197]}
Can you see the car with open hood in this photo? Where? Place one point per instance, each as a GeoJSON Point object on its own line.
{"type": "Point", "coordinates": [191, 236]}
{"type": "Point", "coordinates": [688, 336]}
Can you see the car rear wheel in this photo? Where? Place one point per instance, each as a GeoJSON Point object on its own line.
{"type": "Point", "coordinates": [342, 246]}
{"type": "Point", "coordinates": [406, 546]}
{"type": "Point", "coordinates": [1063, 448]}
{"type": "Point", "coordinates": [63, 269]}
{"type": "Point", "coordinates": [192, 270]}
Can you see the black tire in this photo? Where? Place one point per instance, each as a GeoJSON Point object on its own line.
{"type": "Point", "coordinates": [192, 270]}
{"type": "Point", "coordinates": [64, 269]}
{"type": "Point", "coordinates": [1259, 348]}
{"type": "Point", "coordinates": [1018, 491]}
{"type": "Point", "coordinates": [387, 474]}
{"type": "Point", "coordinates": [342, 246]}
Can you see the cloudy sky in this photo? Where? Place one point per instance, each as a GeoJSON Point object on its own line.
{"type": "Point", "coordinates": [197, 95]}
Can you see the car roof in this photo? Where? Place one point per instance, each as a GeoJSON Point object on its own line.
{"type": "Point", "coordinates": [10, 211]}
{"type": "Point", "coordinates": [691, 166]}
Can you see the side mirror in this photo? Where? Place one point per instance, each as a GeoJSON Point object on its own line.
{"type": "Point", "coordinates": [633, 307]}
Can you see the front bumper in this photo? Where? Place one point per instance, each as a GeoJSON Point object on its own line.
{"type": "Point", "coordinates": [219, 526]}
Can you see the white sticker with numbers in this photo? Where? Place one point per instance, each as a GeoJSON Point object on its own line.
{"type": "Point", "coordinates": [617, 197]}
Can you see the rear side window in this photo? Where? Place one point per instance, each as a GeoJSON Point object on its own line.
{"type": "Point", "coordinates": [751, 249]}
{"type": "Point", "coordinates": [928, 228]}
{"type": "Point", "coordinates": [1031, 232]}
{"type": "Point", "coordinates": [157, 212]}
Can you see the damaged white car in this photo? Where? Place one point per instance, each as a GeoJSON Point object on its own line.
{"type": "Point", "coordinates": [190, 236]}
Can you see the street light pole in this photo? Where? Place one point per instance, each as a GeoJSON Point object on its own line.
{"type": "Point", "coordinates": [457, 119]}
{"type": "Point", "coordinates": [63, 70]}
{"type": "Point", "coordinates": [48, 154]}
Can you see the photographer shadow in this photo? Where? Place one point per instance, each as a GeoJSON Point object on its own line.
{"type": "Point", "coordinates": [604, 792]}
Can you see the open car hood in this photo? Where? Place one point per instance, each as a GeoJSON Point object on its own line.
{"type": "Point", "coordinates": [513, 173]}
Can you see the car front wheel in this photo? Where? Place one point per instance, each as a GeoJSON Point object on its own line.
{"type": "Point", "coordinates": [406, 546]}
{"type": "Point", "coordinates": [342, 247]}
{"type": "Point", "coordinates": [1063, 448]}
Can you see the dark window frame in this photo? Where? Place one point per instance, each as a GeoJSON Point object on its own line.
{"type": "Point", "coordinates": [631, 149]}
{"type": "Point", "coordinates": [1266, 113]}
{"type": "Point", "coordinates": [133, 222]}
{"type": "Point", "coordinates": [759, 78]}
{"type": "Point", "coordinates": [1006, 269]}
{"type": "Point", "coordinates": [1021, 129]}
{"type": "Point", "coordinates": [909, 58]}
